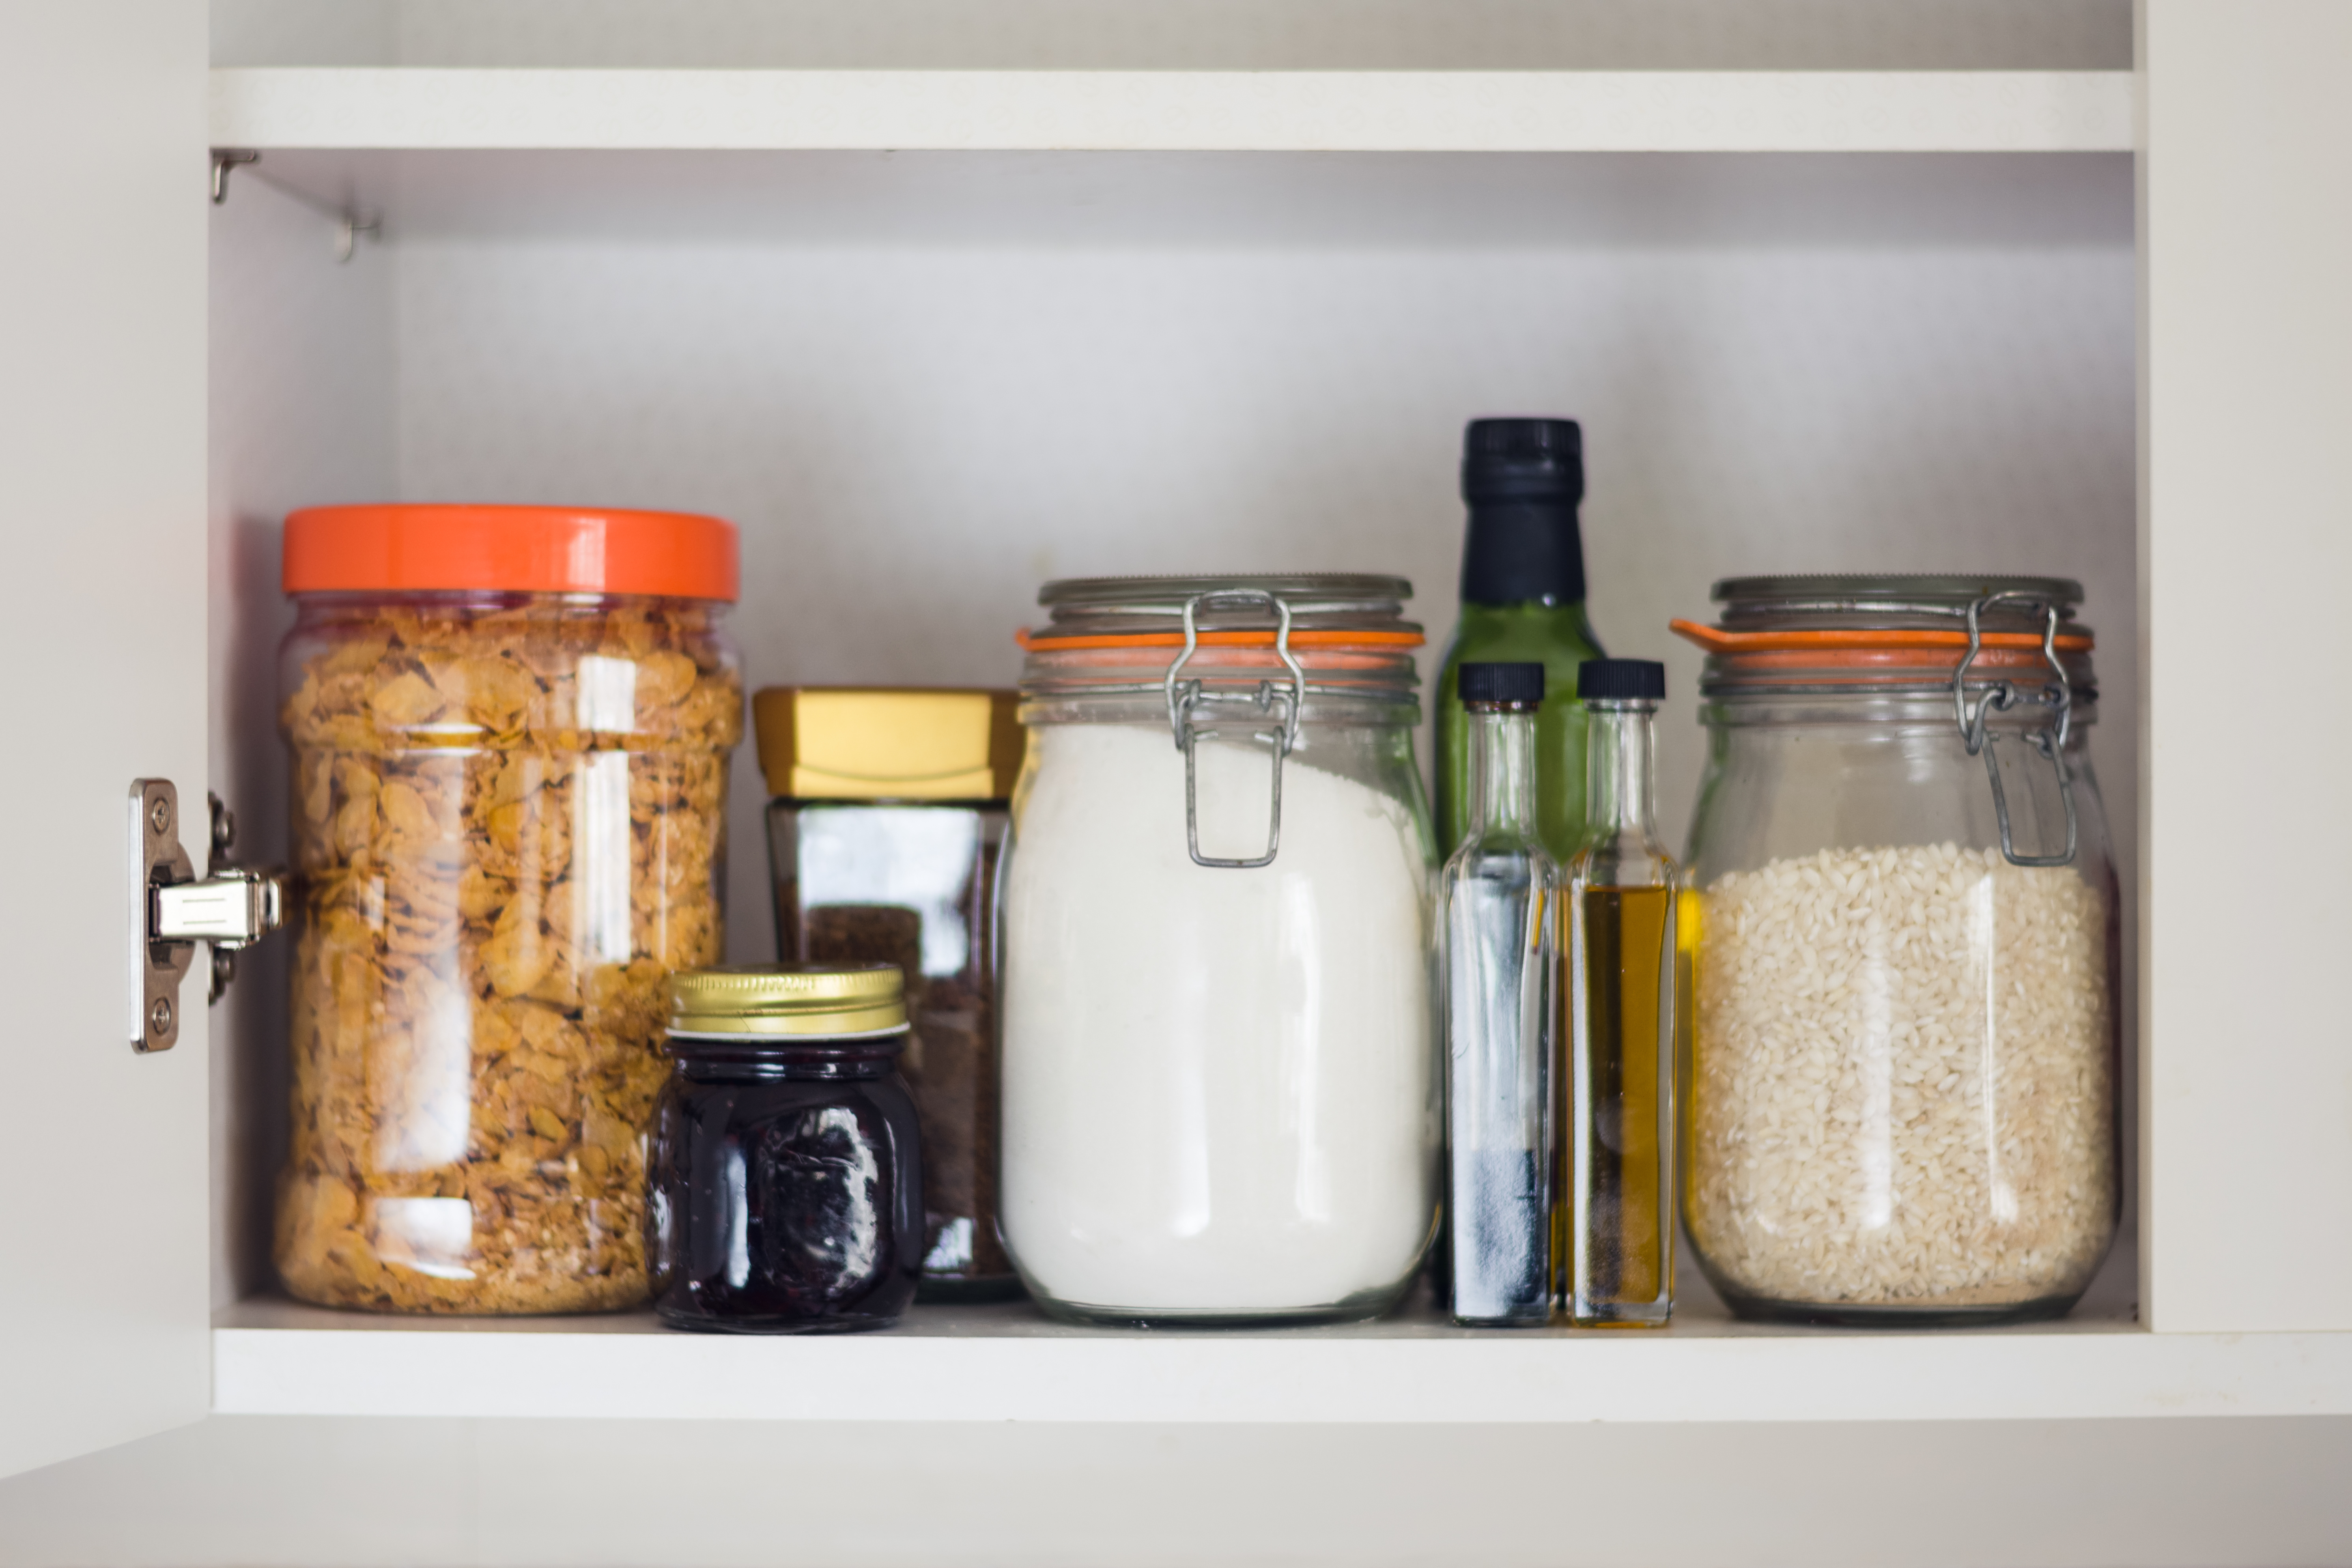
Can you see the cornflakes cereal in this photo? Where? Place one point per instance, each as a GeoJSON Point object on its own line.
{"type": "Point", "coordinates": [509, 824]}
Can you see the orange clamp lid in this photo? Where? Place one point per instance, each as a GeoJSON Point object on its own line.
{"type": "Point", "coordinates": [1864, 640]}
{"type": "Point", "coordinates": [1356, 639]}
{"type": "Point", "coordinates": [508, 549]}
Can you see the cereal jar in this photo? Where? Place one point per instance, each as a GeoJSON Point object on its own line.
{"type": "Point", "coordinates": [511, 729]}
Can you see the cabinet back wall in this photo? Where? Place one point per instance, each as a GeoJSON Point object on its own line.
{"type": "Point", "coordinates": [914, 427]}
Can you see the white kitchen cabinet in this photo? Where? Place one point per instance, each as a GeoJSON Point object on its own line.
{"type": "Point", "coordinates": [937, 301]}
{"type": "Point", "coordinates": [101, 447]}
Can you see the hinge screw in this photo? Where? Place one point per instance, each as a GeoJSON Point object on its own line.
{"type": "Point", "coordinates": [159, 1016]}
{"type": "Point", "coordinates": [159, 815]}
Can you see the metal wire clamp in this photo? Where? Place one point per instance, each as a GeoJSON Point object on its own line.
{"type": "Point", "coordinates": [1184, 698]}
{"type": "Point", "coordinates": [2000, 697]}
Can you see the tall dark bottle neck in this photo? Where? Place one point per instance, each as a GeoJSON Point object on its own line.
{"type": "Point", "coordinates": [1522, 552]}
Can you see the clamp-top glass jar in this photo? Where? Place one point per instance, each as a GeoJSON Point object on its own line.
{"type": "Point", "coordinates": [1222, 1092]}
{"type": "Point", "coordinates": [1901, 1096]}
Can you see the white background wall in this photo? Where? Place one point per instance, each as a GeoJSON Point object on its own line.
{"type": "Point", "coordinates": [923, 384]}
{"type": "Point", "coordinates": [914, 430]}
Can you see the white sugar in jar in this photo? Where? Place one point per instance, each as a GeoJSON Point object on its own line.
{"type": "Point", "coordinates": [1222, 1096]}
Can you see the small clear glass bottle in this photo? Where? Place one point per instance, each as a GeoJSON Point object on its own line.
{"type": "Point", "coordinates": [1495, 896]}
{"type": "Point", "coordinates": [1623, 1004]}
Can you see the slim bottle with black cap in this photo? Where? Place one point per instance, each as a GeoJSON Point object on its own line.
{"type": "Point", "coordinates": [1522, 601]}
{"type": "Point", "coordinates": [1625, 999]}
{"type": "Point", "coordinates": [1496, 896]}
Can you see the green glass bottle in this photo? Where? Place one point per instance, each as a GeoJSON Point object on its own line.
{"type": "Point", "coordinates": [1522, 602]}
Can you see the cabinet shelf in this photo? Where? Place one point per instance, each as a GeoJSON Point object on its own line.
{"type": "Point", "coordinates": [1008, 1364]}
{"type": "Point", "coordinates": [1210, 111]}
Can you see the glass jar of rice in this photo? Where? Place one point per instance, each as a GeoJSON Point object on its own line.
{"type": "Point", "coordinates": [1901, 1091]}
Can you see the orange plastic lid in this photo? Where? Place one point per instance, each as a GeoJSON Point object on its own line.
{"type": "Point", "coordinates": [508, 549]}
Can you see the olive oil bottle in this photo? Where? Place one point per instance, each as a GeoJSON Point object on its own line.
{"type": "Point", "coordinates": [1522, 600]}
{"type": "Point", "coordinates": [1626, 998]}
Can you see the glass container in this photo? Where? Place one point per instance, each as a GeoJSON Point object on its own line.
{"type": "Point", "coordinates": [786, 1170]}
{"type": "Point", "coordinates": [1622, 1005]}
{"type": "Point", "coordinates": [885, 833]}
{"type": "Point", "coordinates": [509, 730]}
{"type": "Point", "coordinates": [1905, 1064]}
{"type": "Point", "coordinates": [1222, 1092]}
{"type": "Point", "coordinates": [1522, 599]}
{"type": "Point", "coordinates": [1497, 899]}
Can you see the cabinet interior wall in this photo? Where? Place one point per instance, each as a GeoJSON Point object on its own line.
{"type": "Point", "coordinates": [924, 383]}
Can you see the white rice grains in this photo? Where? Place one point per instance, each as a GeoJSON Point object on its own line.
{"type": "Point", "coordinates": [1901, 1088]}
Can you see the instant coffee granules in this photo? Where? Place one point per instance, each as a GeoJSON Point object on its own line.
{"type": "Point", "coordinates": [884, 835]}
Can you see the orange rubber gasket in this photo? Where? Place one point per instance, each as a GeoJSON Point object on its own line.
{"type": "Point", "coordinates": [1894, 659]}
{"type": "Point", "coordinates": [1365, 640]}
{"type": "Point", "coordinates": [1321, 661]}
{"type": "Point", "coordinates": [1714, 639]}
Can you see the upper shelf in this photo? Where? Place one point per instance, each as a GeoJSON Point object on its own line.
{"type": "Point", "coordinates": [1209, 110]}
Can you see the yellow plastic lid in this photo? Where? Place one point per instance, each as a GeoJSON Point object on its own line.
{"type": "Point", "coordinates": [833, 743]}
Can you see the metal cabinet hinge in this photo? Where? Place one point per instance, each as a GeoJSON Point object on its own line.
{"type": "Point", "coordinates": [229, 909]}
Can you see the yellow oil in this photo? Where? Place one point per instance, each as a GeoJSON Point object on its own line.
{"type": "Point", "coordinates": [1631, 936]}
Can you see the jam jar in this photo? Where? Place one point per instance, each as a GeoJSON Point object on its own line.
{"type": "Point", "coordinates": [785, 1170]}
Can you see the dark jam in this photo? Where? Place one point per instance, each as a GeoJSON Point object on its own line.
{"type": "Point", "coordinates": [787, 1189]}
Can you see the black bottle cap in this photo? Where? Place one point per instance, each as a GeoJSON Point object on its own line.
{"type": "Point", "coordinates": [1523, 478]}
{"type": "Point", "coordinates": [1523, 459]}
{"type": "Point", "coordinates": [1624, 679]}
{"type": "Point", "coordinates": [1513, 683]}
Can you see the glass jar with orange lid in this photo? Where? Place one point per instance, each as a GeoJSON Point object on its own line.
{"type": "Point", "coordinates": [1901, 1086]}
{"type": "Point", "coordinates": [509, 730]}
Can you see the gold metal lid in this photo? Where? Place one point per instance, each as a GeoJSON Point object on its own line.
{"type": "Point", "coordinates": [775, 1000]}
{"type": "Point", "coordinates": [822, 742]}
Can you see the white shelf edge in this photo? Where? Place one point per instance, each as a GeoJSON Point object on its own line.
{"type": "Point", "coordinates": [545, 1370]}
{"type": "Point", "coordinates": [1365, 112]}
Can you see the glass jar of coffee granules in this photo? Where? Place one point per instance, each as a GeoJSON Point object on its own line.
{"type": "Point", "coordinates": [785, 1170]}
{"type": "Point", "coordinates": [890, 814]}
